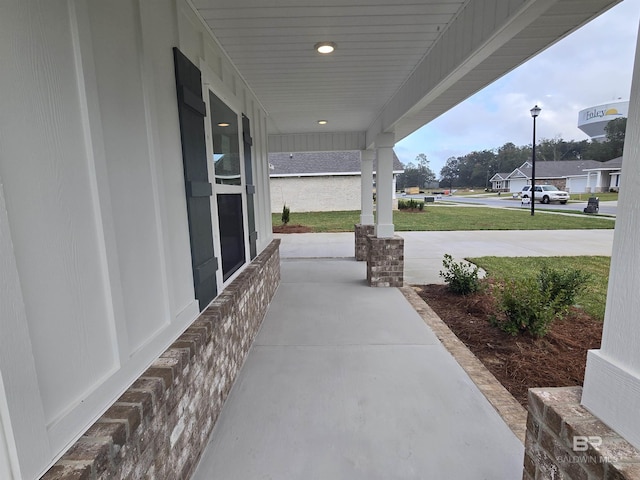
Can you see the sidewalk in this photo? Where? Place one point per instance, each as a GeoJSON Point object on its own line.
{"type": "Point", "coordinates": [424, 251]}
{"type": "Point", "coordinates": [345, 381]}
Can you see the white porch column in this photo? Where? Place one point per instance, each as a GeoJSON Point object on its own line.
{"type": "Point", "coordinates": [612, 379]}
{"type": "Point", "coordinates": [588, 182]}
{"type": "Point", "coordinates": [366, 187]}
{"type": "Point", "coordinates": [384, 185]}
{"type": "Point", "coordinates": [599, 181]}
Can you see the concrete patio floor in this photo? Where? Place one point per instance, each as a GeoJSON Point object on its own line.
{"type": "Point", "coordinates": [345, 381]}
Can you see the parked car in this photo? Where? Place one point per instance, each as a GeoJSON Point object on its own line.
{"type": "Point", "coordinates": [546, 194]}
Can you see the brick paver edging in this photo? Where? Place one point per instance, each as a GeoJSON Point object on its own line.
{"type": "Point", "coordinates": [514, 415]}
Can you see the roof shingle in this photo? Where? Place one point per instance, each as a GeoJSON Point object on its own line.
{"type": "Point", "coordinates": [320, 163]}
{"type": "Point", "coordinates": [561, 169]}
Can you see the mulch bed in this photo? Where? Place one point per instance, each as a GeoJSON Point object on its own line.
{"type": "Point", "coordinates": [288, 228]}
{"type": "Point", "coordinates": [518, 362]}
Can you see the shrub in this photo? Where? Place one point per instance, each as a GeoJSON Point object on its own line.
{"type": "Point", "coordinates": [410, 204]}
{"type": "Point", "coordinates": [285, 214]}
{"type": "Point", "coordinates": [531, 304]}
{"type": "Point", "coordinates": [563, 285]}
{"type": "Point", "coordinates": [461, 278]}
{"type": "Point", "coordinates": [526, 307]}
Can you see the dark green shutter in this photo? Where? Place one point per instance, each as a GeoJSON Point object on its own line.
{"type": "Point", "coordinates": [191, 111]}
{"type": "Point", "coordinates": [251, 189]}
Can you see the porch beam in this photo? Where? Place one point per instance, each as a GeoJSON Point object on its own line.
{"type": "Point", "coordinates": [316, 142]}
{"type": "Point", "coordinates": [454, 68]}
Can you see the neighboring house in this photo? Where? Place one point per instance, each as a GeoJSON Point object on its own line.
{"type": "Point", "coordinates": [604, 177]}
{"type": "Point", "coordinates": [500, 182]}
{"type": "Point", "coordinates": [573, 176]}
{"type": "Point", "coordinates": [318, 181]}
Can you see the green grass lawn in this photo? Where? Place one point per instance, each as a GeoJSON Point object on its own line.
{"type": "Point", "coordinates": [603, 196]}
{"type": "Point", "coordinates": [443, 218]}
{"type": "Point", "coordinates": [592, 299]}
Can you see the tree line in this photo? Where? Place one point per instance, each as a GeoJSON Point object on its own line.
{"type": "Point", "coordinates": [476, 168]}
{"type": "Point", "coordinates": [417, 174]}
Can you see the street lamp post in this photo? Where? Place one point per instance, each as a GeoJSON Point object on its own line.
{"type": "Point", "coordinates": [535, 111]}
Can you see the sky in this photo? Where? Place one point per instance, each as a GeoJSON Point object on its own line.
{"type": "Point", "coordinates": [591, 66]}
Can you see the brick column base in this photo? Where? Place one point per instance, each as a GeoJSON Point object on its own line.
{"type": "Point", "coordinates": [361, 240]}
{"type": "Point", "coordinates": [385, 261]}
{"type": "Point", "coordinates": [564, 440]}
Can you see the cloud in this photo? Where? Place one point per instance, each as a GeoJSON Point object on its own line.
{"type": "Point", "coordinates": [593, 65]}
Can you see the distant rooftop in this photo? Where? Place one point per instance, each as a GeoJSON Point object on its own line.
{"type": "Point", "coordinates": [609, 165]}
{"type": "Point", "coordinates": [500, 175]}
{"type": "Point", "coordinates": [563, 168]}
{"type": "Point", "coordinates": [320, 164]}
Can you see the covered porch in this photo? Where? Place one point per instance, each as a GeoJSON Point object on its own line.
{"type": "Point", "coordinates": [135, 227]}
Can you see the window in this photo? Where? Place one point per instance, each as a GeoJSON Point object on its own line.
{"type": "Point", "coordinates": [230, 203]}
{"type": "Point", "coordinates": [226, 149]}
{"type": "Point", "coordinates": [231, 233]}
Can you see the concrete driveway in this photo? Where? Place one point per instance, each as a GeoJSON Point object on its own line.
{"type": "Point", "coordinates": [424, 250]}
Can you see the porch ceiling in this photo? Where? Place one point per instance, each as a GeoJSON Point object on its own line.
{"type": "Point", "coordinates": [398, 64]}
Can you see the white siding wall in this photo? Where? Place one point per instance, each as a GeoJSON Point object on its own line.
{"type": "Point", "coordinates": [94, 235]}
{"type": "Point", "coordinates": [315, 194]}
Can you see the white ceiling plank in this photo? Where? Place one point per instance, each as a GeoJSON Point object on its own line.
{"type": "Point", "coordinates": [250, 4]}
{"type": "Point", "coordinates": [387, 10]}
{"type": "Point", "coordinates": [364, 38]}
{"type": "Point", "coordinates": [398, 63]}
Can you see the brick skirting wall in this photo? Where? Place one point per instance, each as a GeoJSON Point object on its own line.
{"type": "Point", "coordinates": [565, 441]}
{"type": "Point", "coordinates": [159, 427]}
{"type": "Point", "coordinates": [385, 261]}
{"type": "Point", "coordinates": [361, 232]}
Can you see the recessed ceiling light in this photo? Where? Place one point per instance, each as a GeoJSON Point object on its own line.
{"type": "Point", "coordinates": [322, 122]}
{"type": "Point", "coordinates": [325, 47]}
{"type": "Point", "coordinates": [223, 124]}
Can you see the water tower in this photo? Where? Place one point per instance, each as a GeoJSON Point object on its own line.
{"type": "Point", "coordinates": [593, 120]}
